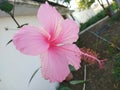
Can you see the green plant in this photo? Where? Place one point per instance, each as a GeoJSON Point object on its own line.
{"type": "Point", "coordinates": [84, 4]}
{"type": "Point", "coordinates": [101, 15]}
{"type": "Point", "coordinates": [62, 87]}
{"type": "Point", "coordinates": [71, 68]}
{"type": "Point", "coordinates": [6, 6]}
{"type": "Point", "coordinates": [114, 6]}
{"type": "Point", "coordinates": [93, 20]}
{"type": "Point", "coordinates": [116, 69]}
{"type": "Point", "coordinates": [115, 18]}
{"type": "Point", "coordinates": [74, 82]}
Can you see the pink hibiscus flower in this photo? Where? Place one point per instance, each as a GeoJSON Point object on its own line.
{"type": "Point", "coordinates": [53, 41]}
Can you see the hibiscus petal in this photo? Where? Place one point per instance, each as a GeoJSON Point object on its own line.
{"type": "Point", "coordinates": [54, 66]}
{"type": "Point", "coordinates": [49, 18]}
{"type": "Point", "coordinates": [55, 62]}
{"type": "Point", "coordinates": [69, 33]}
{"type": "Point", "coordinates": [73, 55]}
{"type": "Point", "coordinates": [30, 41]}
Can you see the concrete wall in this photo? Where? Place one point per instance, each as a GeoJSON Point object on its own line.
{"type": "Point", "coordinates": [16, 68]}
{"type": "Point", "coordinates": [83, 16]}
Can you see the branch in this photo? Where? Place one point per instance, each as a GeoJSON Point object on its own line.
{"type": "Point", "coordinates": [12, 16]}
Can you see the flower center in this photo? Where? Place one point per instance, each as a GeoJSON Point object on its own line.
{"type": "Point", "coordinates": [52, 42]}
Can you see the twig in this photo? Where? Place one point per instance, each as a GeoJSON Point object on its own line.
{"type": "Point", "coordinates": [84, 85]}
{"type": "Point", "coordinates": [111, 43]}
{"type": "Point", "coordinates": [12, 16]}
{"type": "Point", "coordinates": [33, 75]}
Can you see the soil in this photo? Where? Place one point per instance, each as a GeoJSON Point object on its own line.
{"type": "Point", "coordinates": [99, 79]}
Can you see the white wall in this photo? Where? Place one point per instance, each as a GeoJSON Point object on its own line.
{"type": "Point", "coordinates": [83, 16]}
{"type": "Point", "coordinates": [16, 68]}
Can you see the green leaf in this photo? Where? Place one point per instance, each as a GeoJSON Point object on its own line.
{"type": "Point", "coordinates": [71, 68]}
{"type": "Point", "coordinates": [6, 6]}
{"type": "Point", "coordinates": [33, 75]}
{"type": "Point", "coordinates": [63, 88]}
{"type": "Point", "coordinates": [77, 82]}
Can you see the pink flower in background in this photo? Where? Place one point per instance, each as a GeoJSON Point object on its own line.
{"type": "Point", "coordinates": [53, 41]}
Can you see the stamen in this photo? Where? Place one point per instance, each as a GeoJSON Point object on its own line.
{"type": "Point", "coordinates": [44, 32]}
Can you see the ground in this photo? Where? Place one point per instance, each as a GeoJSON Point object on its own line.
{"type": "Point", "coordinates": [99, 79]}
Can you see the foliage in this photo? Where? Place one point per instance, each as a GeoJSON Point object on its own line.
{"type": "Point", "coordinates": [93, 20]}
{"type": "Point", "coordinates": [71, 68]}
{"type": "Point", "coordinates": [84, 4]}
{"type": "Point", "coordinates": [116, 70]}
{"type": "Point", "coordinates": [101, 15]}
{"type": "Point", "coordinates": [115, 18]}
{"type": "Point", "coordinates": [6, 6]}
{"type": "Point", "coordinates": [74, 82]}
{"type": "Point", "coordinates": [63, 88]}
{"type": "Point", "coordinates": [114, 5]}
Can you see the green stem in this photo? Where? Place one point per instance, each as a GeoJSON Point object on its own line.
{"type": "Point", "coordinates": [84, 85]}
{"type": "Point", "coordinates": [12, 16]}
